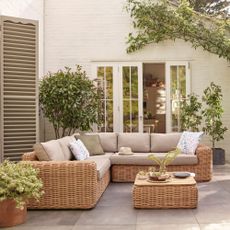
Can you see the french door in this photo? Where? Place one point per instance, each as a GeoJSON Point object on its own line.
{"type": "Point", "coordinates": [122, 84]}
{"type": "Point", "coordinates": [177, 88]}
{"type": "Point", "coordinates": [122, 98]}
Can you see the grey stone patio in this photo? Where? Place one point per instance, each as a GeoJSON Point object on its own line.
{"type": "Point", "coordinates": [115, 211]}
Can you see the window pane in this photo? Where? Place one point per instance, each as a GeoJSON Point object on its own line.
{"type": "Point", "coordinates": [100, 77]}
{"type": "Point", "coordinates": [182, 80]}
{"type": "Point", "coordinates": [134, 112]}
{"type": "Point", "coordinates": [109, 82]}
{"type": "Point", "coordinates": [178, 93]}
{"type": "Point", "coordinates": [173, 76]}
{"type": "Point", "coordinates": [105, 82]}
{"type": "Point", "coordinates": [126, 116]}
{"type": "Point", "coordinates": [109, 116]}
{"type": "Point", "coordinates": [126, 82]}
{"type": "Point", "coordinates": [134, 82]}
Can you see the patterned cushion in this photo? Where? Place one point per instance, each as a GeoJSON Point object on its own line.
{"type": "Point", "coordinates": [189, 142]}
{"type": "Point", "coordinates": [79, 150]}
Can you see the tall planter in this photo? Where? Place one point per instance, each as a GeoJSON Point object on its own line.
{"type": "Point", "coordinates": [10, 215]}
{"type": "Point", "coordinates": [218, 156]}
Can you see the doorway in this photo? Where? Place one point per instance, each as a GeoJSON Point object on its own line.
{"type": "Point", "coordinates": [154, 98]}
{"type": "Point", "coordinates": [142, 97]}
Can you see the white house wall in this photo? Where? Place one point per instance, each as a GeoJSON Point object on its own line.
{"type": "Point", "coordinates": [84, 31]}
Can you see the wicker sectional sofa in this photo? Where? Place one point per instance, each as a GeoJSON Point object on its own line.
{"type": "Point", "coordinates": [80, 184]}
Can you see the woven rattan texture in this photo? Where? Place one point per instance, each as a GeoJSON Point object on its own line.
{"type": "Point", "coordinates": [203, 170]}
{"type": "Point", "coordinates": [68, 184]}
{"type": "Point", "coordinates": [167, 196]}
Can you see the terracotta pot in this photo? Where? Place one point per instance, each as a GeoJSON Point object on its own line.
{"type": "Point", "coordinates": [10, 215]}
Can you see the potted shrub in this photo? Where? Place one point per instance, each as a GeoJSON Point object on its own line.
{"type": "Point", "coordinates": [70, 101]}
{"type": "Point", "coordinates": [18, 183]}
{"type": "Point", "coordinates": [212, 120]}
{"type": "Point", "coordinates": [190, 113]}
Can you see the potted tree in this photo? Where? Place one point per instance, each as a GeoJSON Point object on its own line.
{"type": "Point", "coordinates": [18, 183]}
{"type": "Point", "coordinates": [70, 101]}
{"type": "Point", "coordinates": [190, 113]}
{"type": "Point", "coordinates": [212, 120]}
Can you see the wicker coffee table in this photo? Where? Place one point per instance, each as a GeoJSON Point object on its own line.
{"type": "Point", "coordinates": [176, 193]}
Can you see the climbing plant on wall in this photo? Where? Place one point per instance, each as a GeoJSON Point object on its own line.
{"type": "Point", "coordinates": [156, 21]}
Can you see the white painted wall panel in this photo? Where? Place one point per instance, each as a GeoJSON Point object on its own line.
{"type": "Point", "coordinates": [83, 31]}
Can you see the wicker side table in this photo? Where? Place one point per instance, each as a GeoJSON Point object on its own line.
{"type": "Point", "coordinates": [177, 193]}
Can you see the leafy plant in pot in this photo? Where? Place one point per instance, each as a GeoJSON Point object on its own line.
{"type": "Point", "coordinates": [18, 183]}
{"type": "Point", "coordinates": [212, 119]}
{"type": "Point", "coordinates": [162, 174]}
{"type": "Point", "coordinates": [70, 101]}
{"type": "Point", "coordinates": [190, 113]}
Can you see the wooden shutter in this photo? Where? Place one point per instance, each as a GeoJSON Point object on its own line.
{"type": "Point", "coordinates": [19, 96]}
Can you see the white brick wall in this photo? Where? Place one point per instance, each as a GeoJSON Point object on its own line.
{"type": "Point", "coordinates": [79, 32]}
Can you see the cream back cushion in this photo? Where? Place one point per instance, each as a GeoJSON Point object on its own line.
{"type": "Point", "coordinates": [64, 143]}
{"type": "Point", "coordinates": [53, 150]}
{"type": "Point", "coordinates": [40, 152]}
{"type": "Point", "coordinates": [164, 142]}
{"type": "Point", "coordinates": [109, 141]}
{"type": "Point", "coordinates": [138, 142]}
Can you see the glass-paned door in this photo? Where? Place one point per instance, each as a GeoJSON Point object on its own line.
{"type": "Point", "coordinates": [131, 108]}
{"type": "Point", "coordinates": [105, 83]}
{"type": "Point", "coordinates": [121, 84]}
{"type": "Point", "coordinates": [178, 87]}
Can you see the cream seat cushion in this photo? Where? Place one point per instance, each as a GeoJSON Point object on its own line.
{"type": "Point", "coordinates": [103, 164]}
{"type": "Point", "coordinates": [141, 159]}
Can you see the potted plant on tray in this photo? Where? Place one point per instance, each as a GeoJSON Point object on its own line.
{"type": "Point", "coordinates": [162, 174]}
{"type": "Point", "coordinates": [18, 183]}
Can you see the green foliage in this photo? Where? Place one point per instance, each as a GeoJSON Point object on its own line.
{"type": "Point", "coordinates": [211, 7]}
{"type": "Point", "coordinates": [213, 113]}
{"type": "Point", "coordinates": [70, 101]}
{"type": "Point", "coordinates": [155, 22]}
{"type": "Point", "coordinates": [19, 182]}
{"type": "Point", "coordinates": [190, 113]}
{"type": "Point", "coordinates": [169, 157]}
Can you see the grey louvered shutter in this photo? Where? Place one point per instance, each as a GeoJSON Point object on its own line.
{"type": "Point", "coordinates": [19, 94]}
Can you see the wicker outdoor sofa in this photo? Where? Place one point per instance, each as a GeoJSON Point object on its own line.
{"type": "Point", "coordinates": [80, 184]}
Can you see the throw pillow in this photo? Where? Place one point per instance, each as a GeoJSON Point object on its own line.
{"type": "Point", "coordinates": [79, 150]}
{"type": "Point", "coordinates": [64, 143]}
{"type": "Point", "coordinates": [53, 150]}
{"type": "Point", "coordinates": [189, 141]}
{"type": "Point", "coordinates": [40, 152]}
{"type": "Point", "coordinates": [92, 143]}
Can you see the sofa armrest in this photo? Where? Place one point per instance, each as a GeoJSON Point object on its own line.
{"type": "Point", "coordinates": [67, 184]}
{"type": "Point", "coordinates": [204, 167]}
{"type": "Point", "coordinates": [31, 156]}
{"type": "Point", "coordinates": [204, 154]}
